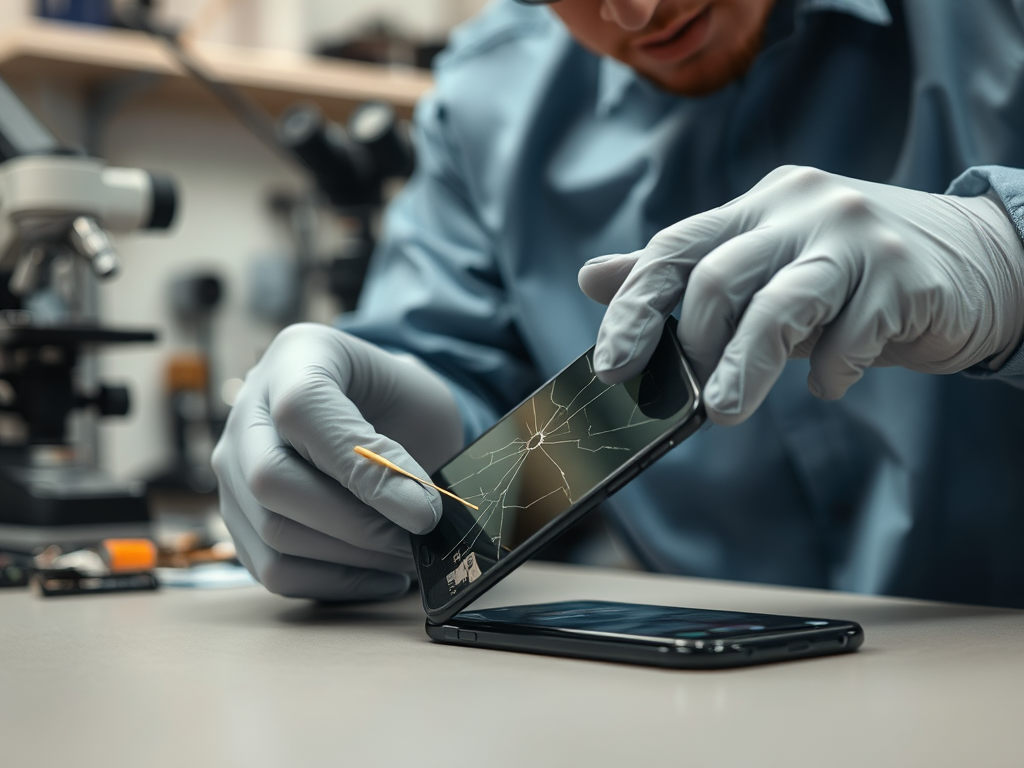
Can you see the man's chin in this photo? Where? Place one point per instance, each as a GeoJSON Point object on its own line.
{"type": "Point", "coordinates": [702, 75]}
{"type": "Point", "coordinates": [691, 84]}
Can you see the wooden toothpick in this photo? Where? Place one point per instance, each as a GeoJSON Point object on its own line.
{"type": "Point", "coordinates": [368, 454]}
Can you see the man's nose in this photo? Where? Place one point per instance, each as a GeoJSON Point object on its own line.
{"type": "Point", "coordinates": [629, 14]}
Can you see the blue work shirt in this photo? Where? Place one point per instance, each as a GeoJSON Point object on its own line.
{"type": "Point", "coordinates": [535, 155]}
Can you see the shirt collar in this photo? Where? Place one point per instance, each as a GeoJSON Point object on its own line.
{"type": "Point", "coordinates": [616, 78]}
{"type": "Point", "coordinates": [871, 11]}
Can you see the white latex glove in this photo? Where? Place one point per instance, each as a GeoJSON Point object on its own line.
{"type": "Point", "coordinates": [310, 517]}
{"type": "Point", "coordinates": [850, 273]}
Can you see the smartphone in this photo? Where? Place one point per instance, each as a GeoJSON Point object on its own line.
{"type": "Point", "coordinates": [556, 456]}
{"type": "Point", "coordinates": [655, 635]}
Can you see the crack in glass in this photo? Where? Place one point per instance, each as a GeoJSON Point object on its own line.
{"type": "Point", "coordinates": [554, 433]}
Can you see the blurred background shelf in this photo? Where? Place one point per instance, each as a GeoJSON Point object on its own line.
{"type": "Point", "coordinates": [89, 57]}
{"type": "Point", "coordinates": [122, 96]}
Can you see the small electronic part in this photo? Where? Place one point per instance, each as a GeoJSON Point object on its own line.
{"type": "Point", "coordinates": [189, 556]}
{"type": "Point", "coordinates": [14, 570]}
{"type": "Point", "coordinates": [115, 565]}
{"type": "Point", "coordinates": [71, 582]}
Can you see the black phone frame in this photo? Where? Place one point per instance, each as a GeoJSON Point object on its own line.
{"type": "Point", "coordinates": [522, 553]}
{"type": "Point", "coordinates": [840, 636]}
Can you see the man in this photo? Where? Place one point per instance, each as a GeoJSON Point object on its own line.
{"type": "Point", "coordinates": [824, 178]}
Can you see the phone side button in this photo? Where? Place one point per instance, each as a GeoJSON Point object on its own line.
{"type": "Point", "coordinates": [450, 633]}
{"type": "Point", "coordinates": [658, 453]}
{"type": "Point", "coordinates": [617, 484]}
{"type": "Point", "coordinates": [466, 636]}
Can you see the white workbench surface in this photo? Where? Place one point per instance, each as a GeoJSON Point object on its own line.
{"type": "Point", "coordinates": [243, 678]}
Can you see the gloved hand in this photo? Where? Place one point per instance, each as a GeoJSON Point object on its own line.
{"type": "Point", "coordinates": [310, 517]}
{"type": "Point", "coordinates": [850, 273]}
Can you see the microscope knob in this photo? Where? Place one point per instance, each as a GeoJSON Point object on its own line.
{"type": "Point", "coordinates": [113, 401]}
{"type": "Point", "coordinates": [375, 126]}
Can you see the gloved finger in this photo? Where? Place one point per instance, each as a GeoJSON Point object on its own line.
{"type": "Point", "coordinates": [721, 287]}
{"type": "Point", "coordinates": [303, 577]}
{"type": "Point", "coordinates": [380, 544]}
{"type": "Point", "coordinates": [600, 278]}
{"type": "Point", "coordinates": [632, 325]}
{"type": "Point", "coordinates": [289, 537]}
{"type": "Point", "coordinates": [278, 480]}
{"type": "Point", "coordinates": [854, 341]}
{"type": "Point", "coordinates": [799, 299]}
{"type": "Point", "coordinates": [312, 414]}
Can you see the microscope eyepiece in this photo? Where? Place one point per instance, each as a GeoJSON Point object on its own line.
{"type": "Point", "coordinates": [343, 170]}
{"type": "Point", "coordinates": [349, 165]}
{"type": "Point", "coordinates": [375, 126]}
{"type": "Point", "coordinates": [164, 201]}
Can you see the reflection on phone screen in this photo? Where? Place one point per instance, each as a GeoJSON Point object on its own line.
{"type": "Point", "coordinates": [551, 452]}
{"type": "Point", "coordinates": [596, 617]}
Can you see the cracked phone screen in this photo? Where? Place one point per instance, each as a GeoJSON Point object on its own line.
{"type": "Point", "coordinates": [548, 455]}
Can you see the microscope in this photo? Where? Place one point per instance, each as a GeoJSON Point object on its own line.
{"type": "Point", "coordinates": [350, 166]}
{"type": "Point", "coordinates": [57, 207]}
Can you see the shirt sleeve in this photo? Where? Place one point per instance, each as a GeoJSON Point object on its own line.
{"type": "Point", "coordinates": [435, 289]}
{"type": "Point", "coordinates": [1008, 185]}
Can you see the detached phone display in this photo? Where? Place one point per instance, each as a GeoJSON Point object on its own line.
{"type": "Point", "coordinates": [684, 638]}
{"type": "Point", "coordinates": [566, 448]}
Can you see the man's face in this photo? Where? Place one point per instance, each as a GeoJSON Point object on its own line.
{"type": "Point", "coordinates": [689, 47]}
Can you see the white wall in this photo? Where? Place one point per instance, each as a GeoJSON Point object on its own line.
{"type": "Point", "coordinates": [294, 25]}
{"type": "Point", "coordinates": [13, 11]}
{"type": "Point", "coordinates": [224, 176]}
{"type": "Point", "coordinates": [300, 24]}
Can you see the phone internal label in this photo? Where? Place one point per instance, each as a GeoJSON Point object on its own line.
{"type": "Point", "coordinates": [468, 571]}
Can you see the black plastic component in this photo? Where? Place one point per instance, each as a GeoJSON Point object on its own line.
{"type": "Point", "coordinates": [165, 201]}
{"type": "Point", "coordinates": [619, 483]}
{"type": "Point", "coordinates": [375, 126]}
{"type": "Point", "coordinates": [65, 582]}
{"type": "Point", "coordinates": [426, 556]}
{"type": "Point", "coordinates": [113, 401]}
{"type": "Point", "coordinates": [349, 165]}
{"type": "Point", "coordinates": [343, 170]}
{"type": "Point", "coordinates": [20, 337]}
{"type": "Point", "coordinates": [346, 275]}
{"type": "Point", "coordinates": [14, 570]}
{"type": "Point", "coordinates": [195, 296]}
{"type": "Point", "coordinates": [657, 453]}
{"type": "Point", "coordinates": [41, 375]}
{"type": "Point", "coordinates": [61, 495]}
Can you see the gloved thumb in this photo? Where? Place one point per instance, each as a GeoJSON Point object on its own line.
{"type": "Point", "coordinates": [601, 278]}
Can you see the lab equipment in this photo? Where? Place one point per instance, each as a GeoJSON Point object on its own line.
{"type": "Point", "coordinates": [56, 207]}
{"type": "Point", "coordinates": [655, 635]}
{"type": "Point", "coordinates": [556, 456]}
{"type": "Point", "coordinates": [194, 419]}
{"type": "Point", "coordinates": [351, 165]}
{"type": "Point", "coordinates": [309, 517]}
{"type": "Point", "coordinates": [113, 565]}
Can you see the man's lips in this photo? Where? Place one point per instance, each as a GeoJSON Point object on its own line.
{"type": "Point", "coordinates": [679, 41]}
